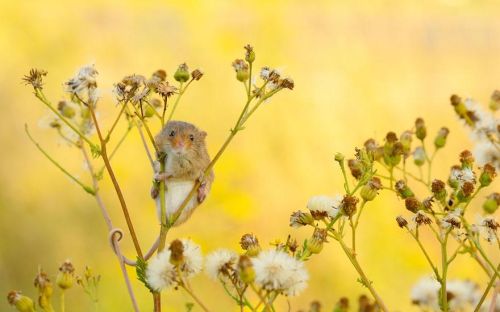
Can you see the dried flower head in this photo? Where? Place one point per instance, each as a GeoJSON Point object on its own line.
{"type": "Point", "coordinates": [128, 87]}
{"type": "Point", "coordinates": [420, 218]}
{"type": "Point", "coordinates": [348, 205]}
{"type": "Point", "coordinates": [249, 54]}
{"type": "Point", "coordinates": [241, 68]}
{"type": "Point", "coordinates": [487, 175]}
{"type": "Point", "coordinates": [35, 78]}
{"type": "Point", "coordinates": [323, 206]}
{"type": "Point", "coordinates": [452, 219]}
{"type": "Point", "coordinates": [21, 302]}
{"type": "Point", "coordinates": [370, 190]}
{"type": "Point", "coordinates": [221, 263]}
{"type": "Point", "coordinates": [401, 221]}
{"type": "Point", "coordinates": [315, 244]}
{"type": "Point", "coordinates": [466, 159]}
{"type": "Point", "coordinates": [192, 258]}
{"type": "Point", "coordinates": [277, 271]}
{"type": "Point", "coordinates": [182, 73]}
{"type": "Point", "coordinates": [420, 129]}
{"type": "Point", "coordinates": [250, 243]}
{"type": "Point", "coordinates": [196, 74]}
{"type": "Point", "coordinates": [165, 89]}
{"type": "Point", "coordinates": [413, 204]}
{"type": "Point", "coordinates": [84, 80]}
{"type": "Point", "coordinates": [287, 83]}
{"type": "Point", "coordinates": [299, 218]}
{"type": "Point", "coordinates": [65, 277]}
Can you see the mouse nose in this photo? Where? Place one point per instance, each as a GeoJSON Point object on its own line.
{"type": "Point", "coordinates": [180, 144]}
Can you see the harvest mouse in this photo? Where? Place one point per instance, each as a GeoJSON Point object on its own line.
{"type": "Point", "coordinates": [186, 159]}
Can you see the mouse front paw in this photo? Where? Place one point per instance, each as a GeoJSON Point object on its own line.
{"type": "Point", "coordinates": [202, 192]}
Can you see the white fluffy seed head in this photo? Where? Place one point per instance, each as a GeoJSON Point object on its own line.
{"type": "Point", "coordinates": [276, 270]}
{"type": "Point", "coordinates": [220, 262]}
{"type": "Point", "coordinates": [193, 259]}
{"type": "Point", "coordinates": [324, 203]}
{"type": "Point", "coordinates": [160, 273]}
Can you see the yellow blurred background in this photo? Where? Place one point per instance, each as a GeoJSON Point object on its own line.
{"type": "Point", "coordinates": [361, 68]}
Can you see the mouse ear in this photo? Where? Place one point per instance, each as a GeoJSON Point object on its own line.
{"type": "Point", "coordinates": [203, 134]}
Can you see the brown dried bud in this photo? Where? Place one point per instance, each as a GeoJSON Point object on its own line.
{"type": "Point", "coordinates": [348, 205]}
{"type": "Point", "coordinates": [292, 245]}
{"type": "Point", "coordinates": [413, 204]}
{"type": "Point", "coordinates": [356, 168]}
{"type": "Point", "coordinates": [491, 223]}
{"type": "Point", "coordinates": [455, 100]}
{"type": "Point", "coordinates": [391, 137]}
{"type": "Point", "coordinates": [467, 188]}
{"type": "Point", "coordinates": [196, 74]}
{"type": "Point", "coordinates": [249, 53]}
{"type": "Point", "coordinates": [421, 218]}
{"type": "Point", "coordinates": [427, 203]}
{"type": "Point", "coordinates": [438, 188]}
{"type": "Point", "coordinates": [177, 252]}
{"type": "Point", "coordinates": [299, 218]}
{"type": "Point", "coordinates": [165, 89]}
{"type": "Point", "coordinates": [401, 221]}
{"type": "Point", "coordinates": [315, 244]}
{"type": "Point", "coordinates": [370, 190]}
{"type": "Point", "coordinates": [466, 159]}
{"type": "Point", "coordinates": [250, 243]}
{"type": "Point", "coordinates": [440, 140]}
{"type": "Point", "coordinates": [287, 83]}
{"type": "Point", "coordinates": [160, 74]}
{"type": "Point", "coordinates": [487, 175]}
{"type": "Point", "coordinates": [343, 304]}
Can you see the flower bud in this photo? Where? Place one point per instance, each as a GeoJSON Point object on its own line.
{"type": "Point", "coordinates": [339, 157]}
{"type": "Point", "coordinates": [149, 111]}
{"type": "Point", "coordinates": [65, 277]}
{"type": "Point", "coordinates": [403, 190]}
{"type": "Point", "coordinates": [45, 290]}
{"type": "Point", "coordinates": [370, 190]}
{"type": "Point", "coordinates": [182, 73]}
{"type": "Point", "coordinates": [453, 179]}
{"type": "Point", "coordinates": [420, 129]}
{"type": "Point", "coordinates": [392, 150]}
{"type": "Point", "coordinates": [245, 269]}
{"type": "Point", "coordinates": [491, 203]}
{"type": "Point", "coordinates": [299, 218]}
{"type": "Point", "coordinates": [419, 156]}
{"type": "Point", "coordinates": [66, 110]}
{"type": "Point", "coordinates": [405, 139]}
{"type": "Point", "coordinates": [250, 243]}
{"type": "Point", "coordinates": [241, 69]}
{"type": "Point", "coordinates": [342, 305]}
{"type": "Point", "coordinates": [249, 54]}
{"type": "Point", "coordinates": [315, 244]}
{"type": "Point", "coordinates": [373, 149]}
{"type": "Point", "coordinates": [421, 218]}
{"type": "Point", "coordinates": [401, 221]}
{"type": "Point", "coordinates": [356, 168]}
{"type": "Point", "coordinates": [487, 175]}
{"type": "Point", "coordinates": [348, 205]}
{"type": "Point", "coordinates": [465, 191]}
{"type": "Point", "coordinates": [440, 140]}
{"type": "Point", "coordinates": [466, 159]}
{"type": "Point", "coordinates": [413, 204]}
{"type": "Point", "coordinates": [196, 74]}
{"type": "Point", "coordinates": [495, 101]}
{"type": "Point", "coordinates": [21, 302]}
{"type": "Point", "coordinates": [177, 252]}
{"type": "Point", "coordinates": [438, 188]}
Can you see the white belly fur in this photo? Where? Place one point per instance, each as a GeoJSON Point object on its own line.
{"type": "Point", "coordinates": [176, 192]}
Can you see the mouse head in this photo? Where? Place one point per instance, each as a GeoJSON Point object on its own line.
{"type": "Point", "coordinates": [180, 138]}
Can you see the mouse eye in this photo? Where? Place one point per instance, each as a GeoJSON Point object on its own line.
{"type": "Point", "coordinates": [191, 137]}
{"type": "Point", "coordinates": [172, 133]}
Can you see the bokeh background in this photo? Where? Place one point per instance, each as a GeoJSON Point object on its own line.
{"type": "Point", "coordinates": [361, 68]}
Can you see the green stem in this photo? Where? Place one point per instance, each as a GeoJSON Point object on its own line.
{"type": "Point", "coordinates": [444, 269]}
{"type": "Point", "coordinates": [87, 188]}
{"type": "Point", "coordinates": [344, 174]}
{"type": "Point", "coordinates": [41, 96]}
{"type": "Point", "coordinates": [63, 307]}
{"type": "Point", "coordinates": [366, 282]}
{"type": "Point", "coordinates": [486, 291]}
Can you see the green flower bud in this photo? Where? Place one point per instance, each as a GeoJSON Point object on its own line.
{"type": "Point", "coordinates": [420, 129]}
{"type": "Point", "coordinates": [392, 150]}
{"type": "Point", "coordinates": [299, 218]}
{"type": "Point", "coordinates": [65, 277]}
{"type": "Point", "coordinates": [182, 73]}
{"type": "Point", "coordinates": [370, 190]}
{"type": "Point", "coordinates": [466, 159]}
{"type": "Point", "coordinates": [315, 244]}
{"type": "Point", "coordinates": [21, 302]}
{"type": "Point", "coordinates": [249, 54]}
{"type": "Point", "coordinates": [241, 69]}
{"type": "Point", "coordinates": [487, 175]}
{"type": "Point", "coordinates": [149, 111]}
{"type": "Point", "coordinates": [245, 269]}
{"type": "Point", "coordinates": [45, 290]}
{"type": "Point", "coordinates": [491, 203]}
{"type": "Point", "coordinates": [440, 139]}
{"type": "Point", "coordinates": [403, 190]}
{"type": "Point", "coordinates": [405, 139]}
{"type": "Point", "coordinates": [339, 157]}
{"type": "Point", "coordinates": [419, 156]}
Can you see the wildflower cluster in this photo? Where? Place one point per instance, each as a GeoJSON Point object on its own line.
{"type": "Point", "coordinates": [64, 280]}
{"type": "Point", "coordinates": [146, 104]}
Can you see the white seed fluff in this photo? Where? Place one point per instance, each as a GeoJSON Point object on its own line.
{"type": "Point", "coordinates": [276, 270]}
{"type": "Point", "coordinates": [219, 260]}
{"type": "Point", "coordinates": [160, 273]}
{"type": "Point", "coordinates": [193, 260]}
{"type": "Point", "coordinates": [324, 203]}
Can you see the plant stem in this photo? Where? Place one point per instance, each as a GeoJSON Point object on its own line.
{"type": "Point", "coordinates": [115, 184]}
{"type": "Point", "coordinates": [346, 181]}
{"type": "Point", "coordinates": [444, 272]}
{"type": "Point", "coordinates": [86, 188]}
{"type": "Point", "coordinates": [63, 306]}
{"type": "Point", "coordinates": [107, 219]}
{"type": "Point", "coordinates": [486, 291]}
{"type": "Point", "coordinates": [124, 106]}
{"type": "Point", "coordinates": [366, 282]}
